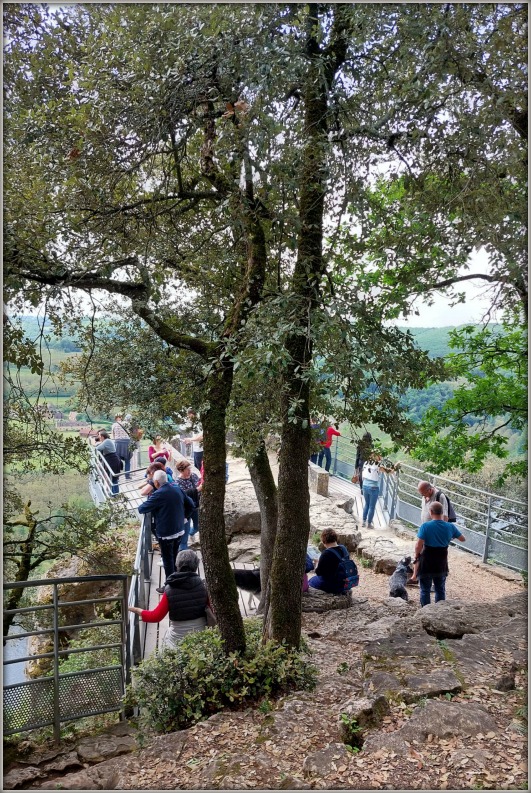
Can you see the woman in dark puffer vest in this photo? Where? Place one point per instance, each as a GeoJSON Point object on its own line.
{"type": "Point", "coordinates": [185, 599]}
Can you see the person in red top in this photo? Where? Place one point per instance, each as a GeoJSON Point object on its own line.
{"type": "Point", "coordinates": [325, 448]}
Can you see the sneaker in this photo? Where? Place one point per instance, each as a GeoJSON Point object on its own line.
{"type": "Point", "coordinates": [160, 590]}
{"type": "Point", "coordinates": [363, 524]}
{"type": "Point", "coordinates": [370, 526]}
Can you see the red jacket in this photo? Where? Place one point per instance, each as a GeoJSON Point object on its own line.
{"type": "Point", "coordinates": [329, 433]}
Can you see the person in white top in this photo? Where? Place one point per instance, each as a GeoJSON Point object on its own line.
{"type": "Point", "coordinates": [371, 488]}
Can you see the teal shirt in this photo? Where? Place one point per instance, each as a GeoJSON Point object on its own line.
{"type": "Point", "coordinates": [438, 533]}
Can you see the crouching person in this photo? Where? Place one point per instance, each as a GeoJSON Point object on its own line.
{"type": "Point", "coordinates": [185, 598]}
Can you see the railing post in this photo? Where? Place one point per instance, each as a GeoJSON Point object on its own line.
{"type": "Point", "coordinates": [487, 532]}
{"type": "Point", "coordinates": [56, 708]}
{"type": "Point", "coordinates": [335, 456]}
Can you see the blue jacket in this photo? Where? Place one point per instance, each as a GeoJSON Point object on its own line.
{"type": "Point", "coordinates": [168, 504]}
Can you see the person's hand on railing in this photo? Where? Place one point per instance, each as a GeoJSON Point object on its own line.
{"type": "Point", "coordinates": [135, 610]}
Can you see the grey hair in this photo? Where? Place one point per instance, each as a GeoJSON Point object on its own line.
{"type": "Point", "coordinates": [160, 476]}
{"type": "Point", "coordinates": [187, 560]}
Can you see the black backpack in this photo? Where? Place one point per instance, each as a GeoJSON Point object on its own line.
{"type": "Point", "coordinates": [452, 517]}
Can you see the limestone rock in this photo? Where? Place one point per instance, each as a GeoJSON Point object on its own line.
{"type": "Point", "coordinates": [242, 514]}
{"type": "Point", "coordinates": [18, 777]}
{"type": "Point", "coordinates": [366, 711]}
{"type": "Point", "coordinates": [292, 783]}
{"type": "Point", "coordinates": [244, 548]}
{"type": "Point", "coordinates": [322, 601]}
{"type": "Point", "coordinates": [61, 763]}
{"type": "Point", "coordinates": [325, 761]}
{"type": "Point", "coordinates": [440, 718]}
{"type": "Point", "coordinates": [318, 479]}
{"type": "Point", "coordinates": [408, 667]}
{"type": "Point", "coordinates": [346, 505]}
{"type": "Point", "coordinates": [103, 747]}
{"type": "Point", "coordinates": [452, 619]}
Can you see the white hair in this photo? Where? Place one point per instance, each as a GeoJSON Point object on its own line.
{"type": "Point", "coordinates": [160, 476]}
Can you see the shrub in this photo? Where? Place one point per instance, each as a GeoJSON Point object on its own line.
{"type": "Point", "coordinates": [178, 687]}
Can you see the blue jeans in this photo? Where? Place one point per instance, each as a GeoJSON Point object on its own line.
{"type": "Point", "coordinates": [194, 517]}
{"type": "Point", "coordinates": [327, 454]}
{"type": "Point", "coordinates": [169, 550]}
{"type": "Point", "coordinates": [439, 584]}
{"type": "Point", "coordinates": [313, 458]}
{"type": "Point", "coordinates": [370, 494]}
{"type": "Point", "coordinates": [198, 460]}
{"type": "Point", "coordinates": [183, 545]}
{"type": "Point", "coordinates": [114, 487]}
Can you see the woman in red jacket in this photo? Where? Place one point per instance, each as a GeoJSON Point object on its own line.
{"type": "Point", "coordinates": [325, 448]}
{"type": "Point", "coordinates": [185, 598]}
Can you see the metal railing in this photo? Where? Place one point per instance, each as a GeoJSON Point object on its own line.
{"type": "Point", "coordinates": [57, 697]}
{"type": "Point", "coordinates": [139, 589]}
{"type": "Point", "coordinates": [495, 527]}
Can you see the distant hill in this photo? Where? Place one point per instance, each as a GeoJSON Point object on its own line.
{"type": "Point", "coordinates": [433, 340]}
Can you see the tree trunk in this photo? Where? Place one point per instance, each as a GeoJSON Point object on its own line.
{"type": "Point", "coordinates": [266, 494]}
{"type": "Point", "coordinates": [293, 493]}
{"type": "Point", "coordinates": [219, 577]}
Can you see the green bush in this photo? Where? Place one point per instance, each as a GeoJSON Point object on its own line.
{"type": "Point", "coordinates": [178, 687]}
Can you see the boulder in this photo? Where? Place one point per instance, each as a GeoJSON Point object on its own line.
{"type": "Point", "coordinates": [407, 667]}
{"type": "Point", "coordinates": [315, 600]}
{"type": "Point", "coordinates": [326, 761]}
{"type": "Point", "coordinates": [242, 514]}
{"type": "Point", "coordinates": [18, 777]}
{"type": "Point", "coordinates": [103, 747]}
{"type": "Point", "coordinates": [365, 711]}
{"type": "Point", "coordinates": [440, 718]}
{"type": "Point", "coordinates": [452, 619]}
{"type": "Point", "coordinates": [244, 548]}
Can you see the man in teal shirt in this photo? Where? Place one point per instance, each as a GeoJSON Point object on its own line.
{"type": "Point", "coordinates": [431, 553]}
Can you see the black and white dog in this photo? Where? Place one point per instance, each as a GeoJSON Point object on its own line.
{"type": "Point", "coordinates": [249, 581]}
{"type": "Point", "coordinates": [397, 582]}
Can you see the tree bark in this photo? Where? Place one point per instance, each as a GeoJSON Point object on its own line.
{"type": "Point", "coordinates": [266, 494]}
{"type": "Point", "coordinates": [220, 579]}
{"type": "Point", "coordinates": [293, 493]}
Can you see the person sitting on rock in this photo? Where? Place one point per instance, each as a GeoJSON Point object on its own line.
{"type": "Point", "coordinates": [328, 577]}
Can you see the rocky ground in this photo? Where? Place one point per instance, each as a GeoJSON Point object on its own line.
{"type": "Point", "coordinates": [439, 695]}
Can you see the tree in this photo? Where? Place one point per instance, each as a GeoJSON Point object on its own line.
{"type": "Point", "coordinates": [493, 397]}
{"type": "Point", "coordinates": [208, 183]}
{"type": "Point", "coordinates": [30, 540]}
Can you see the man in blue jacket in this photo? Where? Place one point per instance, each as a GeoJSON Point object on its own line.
{"type": "Point", "coordinates": [431, 553]}
{"type": "Point", "coordinates": [171, 507]}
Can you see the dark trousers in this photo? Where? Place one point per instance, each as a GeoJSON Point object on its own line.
{"type": "Point", "coordinates": [198, 460]}
{"type": "Point", "coordinates": [313, 458]}
{"type": "Point", "coordinates": [169, 550]}
{"type": "Point", "coordinates": [327, 454]}
{"type": "Point", "coordinates": [439, 585]}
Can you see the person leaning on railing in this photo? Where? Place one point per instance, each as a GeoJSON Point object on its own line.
{"type": "Point", "coordinates": [185, 599]}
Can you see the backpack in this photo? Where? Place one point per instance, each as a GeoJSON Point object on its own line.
{"type": "Point", "coordinates": [351, 575]}
{"type": "Point", "coordinates": [452, 517]}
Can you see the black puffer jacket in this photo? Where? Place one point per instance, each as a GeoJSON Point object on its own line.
{"type": "Point", "coordinates": [187, 596]}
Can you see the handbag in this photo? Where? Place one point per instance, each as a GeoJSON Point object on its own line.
{"type": "Point", "coordinates": [211, 620]}
{"type": "Point", "coordinates": [355, 478]}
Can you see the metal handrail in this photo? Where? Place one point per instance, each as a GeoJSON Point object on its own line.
{"type": "Point", "coordinates": [17, 692]}
{"type": "Point", "coordinates": [488, 518]}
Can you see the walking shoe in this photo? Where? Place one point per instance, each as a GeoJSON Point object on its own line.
{"type": "Point", "coordinates": [160, 590]}
{"type": "Point", "coordinates": [370, 526]}
{"type": "Point", "coordinates": [363, 524]}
